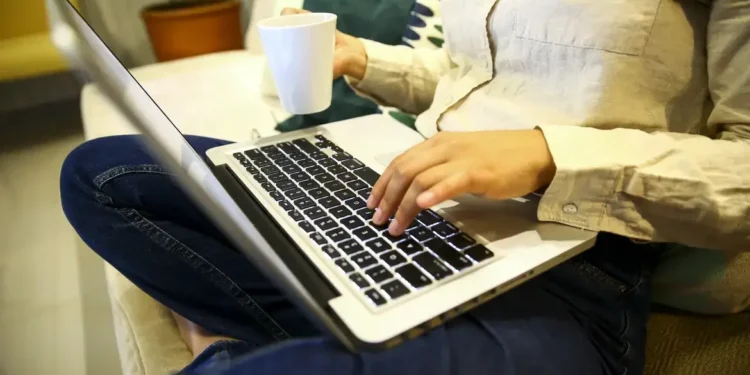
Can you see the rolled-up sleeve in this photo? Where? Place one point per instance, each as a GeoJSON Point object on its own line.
{"type": "Point", "coordinates": [667, 187]}
{"type": "Point", "coordinates": [400, 76]}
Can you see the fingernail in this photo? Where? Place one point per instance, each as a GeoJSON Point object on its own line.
{"type": "Point", "coordinates": [378, 217]}
{"type": "Point", "coordinates": [393, 228]}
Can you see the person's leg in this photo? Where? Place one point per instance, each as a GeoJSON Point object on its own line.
{"type": "Point", "coordinates": [129, 210]}
{"type": "Point", "coordinates": [587, 316]}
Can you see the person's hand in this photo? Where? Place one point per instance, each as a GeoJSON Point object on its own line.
{"type": "Point", "coordinates": [350, 57]}
{"type": "Point", "coordinates": [492, 164]}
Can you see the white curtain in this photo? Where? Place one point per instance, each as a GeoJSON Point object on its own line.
{"type": "Point", "coordinates": [119, 24]}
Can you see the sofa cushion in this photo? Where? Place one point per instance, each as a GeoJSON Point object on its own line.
{"type": "Point", "coordinates": [380, 20]}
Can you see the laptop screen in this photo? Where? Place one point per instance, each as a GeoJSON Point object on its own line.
{"type": "Point", "coordinates": [84, 48]}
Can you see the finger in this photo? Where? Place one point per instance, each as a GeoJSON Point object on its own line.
{"type": "Point", "coordinates": [451, 187]}
{"type": "Point", "coordinates": [409, 164]}
{"type": "Point", "coordinates": [290, 11]}
{"type": "Point", "coordinates": [409, 208]}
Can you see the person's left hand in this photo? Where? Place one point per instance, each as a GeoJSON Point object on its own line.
{"type": "Point", "coordinates": [493, 164]}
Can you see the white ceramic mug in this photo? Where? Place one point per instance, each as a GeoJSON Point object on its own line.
{"type": "Point", "coordinates": [299, 49]}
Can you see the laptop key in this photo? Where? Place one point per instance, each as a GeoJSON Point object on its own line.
{"type": "Point", "coordinates": [378, 274]}
{"type": "Point", "coordinates": [350, 247]}
{"type": "Point", "coordinates": [308, 184]}
{"type": "Point", "coordinates": [379, 227]}
{"type": "Point", "coordinates": [306, 226]}
{"type": "Point", "coordinates": [252, 170]}
{"type": "Point", "coordinates": [267, 186]}
{"type": "Point", "coordinates": [286, 147]}
{"type": "Point", "coordinates": [283, 162]}
{"type": "Point", "coordinates": [338, 235]}
{"type": "Point", "coordinates": [330, 251]}
{"type": "Point", "coordinates": [305, 145]}
{"type": "Point", "coordinates": [359, 280]}
{"type": "Point", "coordinates": [323, 178]}
{"type": "Point", "coordinates": [340, 212]}
{"type": "Point", "coordinates": [305, 163]}
{"type": "Point", "coordinates": [413, 276]}
{"type": "Point", "coordinates": [448, 254]}
{"type": "Point", "coordinates": [319, 193]}
{"type": "Point", "coordinates": [318, 238]}
{"type": "Point", "coordinates": [379, 245]}
{"type": "Point", "coordinates": [367, 174]}
{"type": "Point", "coordinates": [296, 215]}
{"type": "Point", "coordinates": [358, 185]}
{"type": "Point", "coordinates": [277, 177]}
{"type": "Point", "coordinates": [317, 155]}
{"type": "Point", "coordinates": [334, 185]}
{"type": "Point", "coordinates": [238, 155]}
{"type": "Point", "coordinates": [291, 169]}
{"type": "Point", "coordinates": [356, 203]}
{"type": "Point", "coordinates": [327, 162]}
{"type": "Point", "coordinates": [444, 229]}
{"type": "Point", "coordinates": [479, 253]}
{"type": "Point", "coordinates": [260, 178]}
{"type": "Point", "coordinates": [395, 289]}
{"type": "Point", "coordinates": [364, 233]}
{"type": "Point", "coordinates": [428, 218]}
{"type": "Point", "coordinates": [393, 258]}
{"type": "Point", "coordinates": [432, 265]}
{"type": "Point", "coordinates": [325, 223]}
{"type": "Point", "coordinates": [304, 203]}
{"type": "Point", "coordinates": [328, 202]}
{"type": "Point", "coordinates": [285, 185]}
{"type": "Point", "coordinates": [299, 177]}
{"type": "Point", "coordinates": [336, 169]}
{"type": "Point", "coordinates": [363, 259]}
{"type": "Point", "coordinates": [269, 149]}
{"type": "Point", "coordinates": [461, 241]}
{"type": "Point", "coordinates": [254, 154]}
{"type": "Point", "coordinates": [297, 156]}
{"type": "Point", "coordinates": [352, 164]}
{"type": "Point", "coordinates": [395, 239]}
{"type": "Point", "coordinates": [341, 156]}
{"type": "Point", "coordinates": [286, 205]}
{"type": "Point", "coordinates": [276, 156]}
{"type": "Point", "coordinates": [344, 265]}
{"type": "Point", "coordinates": [375, 297]}
{"type": "Point", "coordinates": [245, 162]}
{"type": "Point", "coordinates": [294, 194]}
{"type": "Point", "coordinates": [351, 222]}
{"type": "Point", "coordinates": [262, 162]}
{"type": "Point", "coordinates": [314, 213]}
{"type": "Point", "coordinates": [421, 234]}
{"type": "Point", "coordinates": [366, 213]}
{"type": "Point", "coordinates": [315, 170]}
{"type": "Point", "coordinates": [346, 177]}
{"type": "Point", "coordinates": [344, 194]}
{"type": "Point", "coordinates": [409, 246]}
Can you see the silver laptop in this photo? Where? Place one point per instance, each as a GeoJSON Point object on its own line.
{"type": "Point", "coordinates": [295, 205]}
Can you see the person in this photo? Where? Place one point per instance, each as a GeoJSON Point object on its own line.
{"type": "Point", "coordinates": [630, 118]}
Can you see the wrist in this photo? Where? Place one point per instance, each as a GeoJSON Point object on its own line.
{"type": "Point", "coordinates": [356, 65]}
{"type": "Point", "coordinates": [547, 168]}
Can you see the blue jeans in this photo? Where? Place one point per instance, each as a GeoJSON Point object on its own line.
{"type": "Point", "coordinates": [586, 316]}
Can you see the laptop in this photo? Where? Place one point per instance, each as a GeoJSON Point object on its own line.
{"type": "Point", "coordinates": [294, 204]}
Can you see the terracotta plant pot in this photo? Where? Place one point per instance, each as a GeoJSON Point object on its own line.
{"type": "Point", "coordinates": [190, 28]}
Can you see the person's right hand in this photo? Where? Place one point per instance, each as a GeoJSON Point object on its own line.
{"type": "Point", "coordinates": [350, 57]}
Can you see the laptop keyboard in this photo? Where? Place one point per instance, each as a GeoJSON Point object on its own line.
{"type": "Point", "coordinates": [324, 190]}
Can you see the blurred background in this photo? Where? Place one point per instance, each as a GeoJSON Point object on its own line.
{"type": "Point", "coordinates": [55, 312]}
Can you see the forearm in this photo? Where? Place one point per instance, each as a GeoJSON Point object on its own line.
{"type": "Point", "coordinates": [657, 187]}
{"type": "Point", "coordinates": [400, 76]}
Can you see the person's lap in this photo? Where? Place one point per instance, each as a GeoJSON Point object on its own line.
{"type": "Point", "coordinates": [586, 316]}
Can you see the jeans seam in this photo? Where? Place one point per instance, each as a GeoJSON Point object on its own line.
{"type": "Point", "coordinates": [113, 173]}
{"type": "Point", "coordinates": [185, 253]}
{"type": "Point", "coordinates": [195, 260]}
